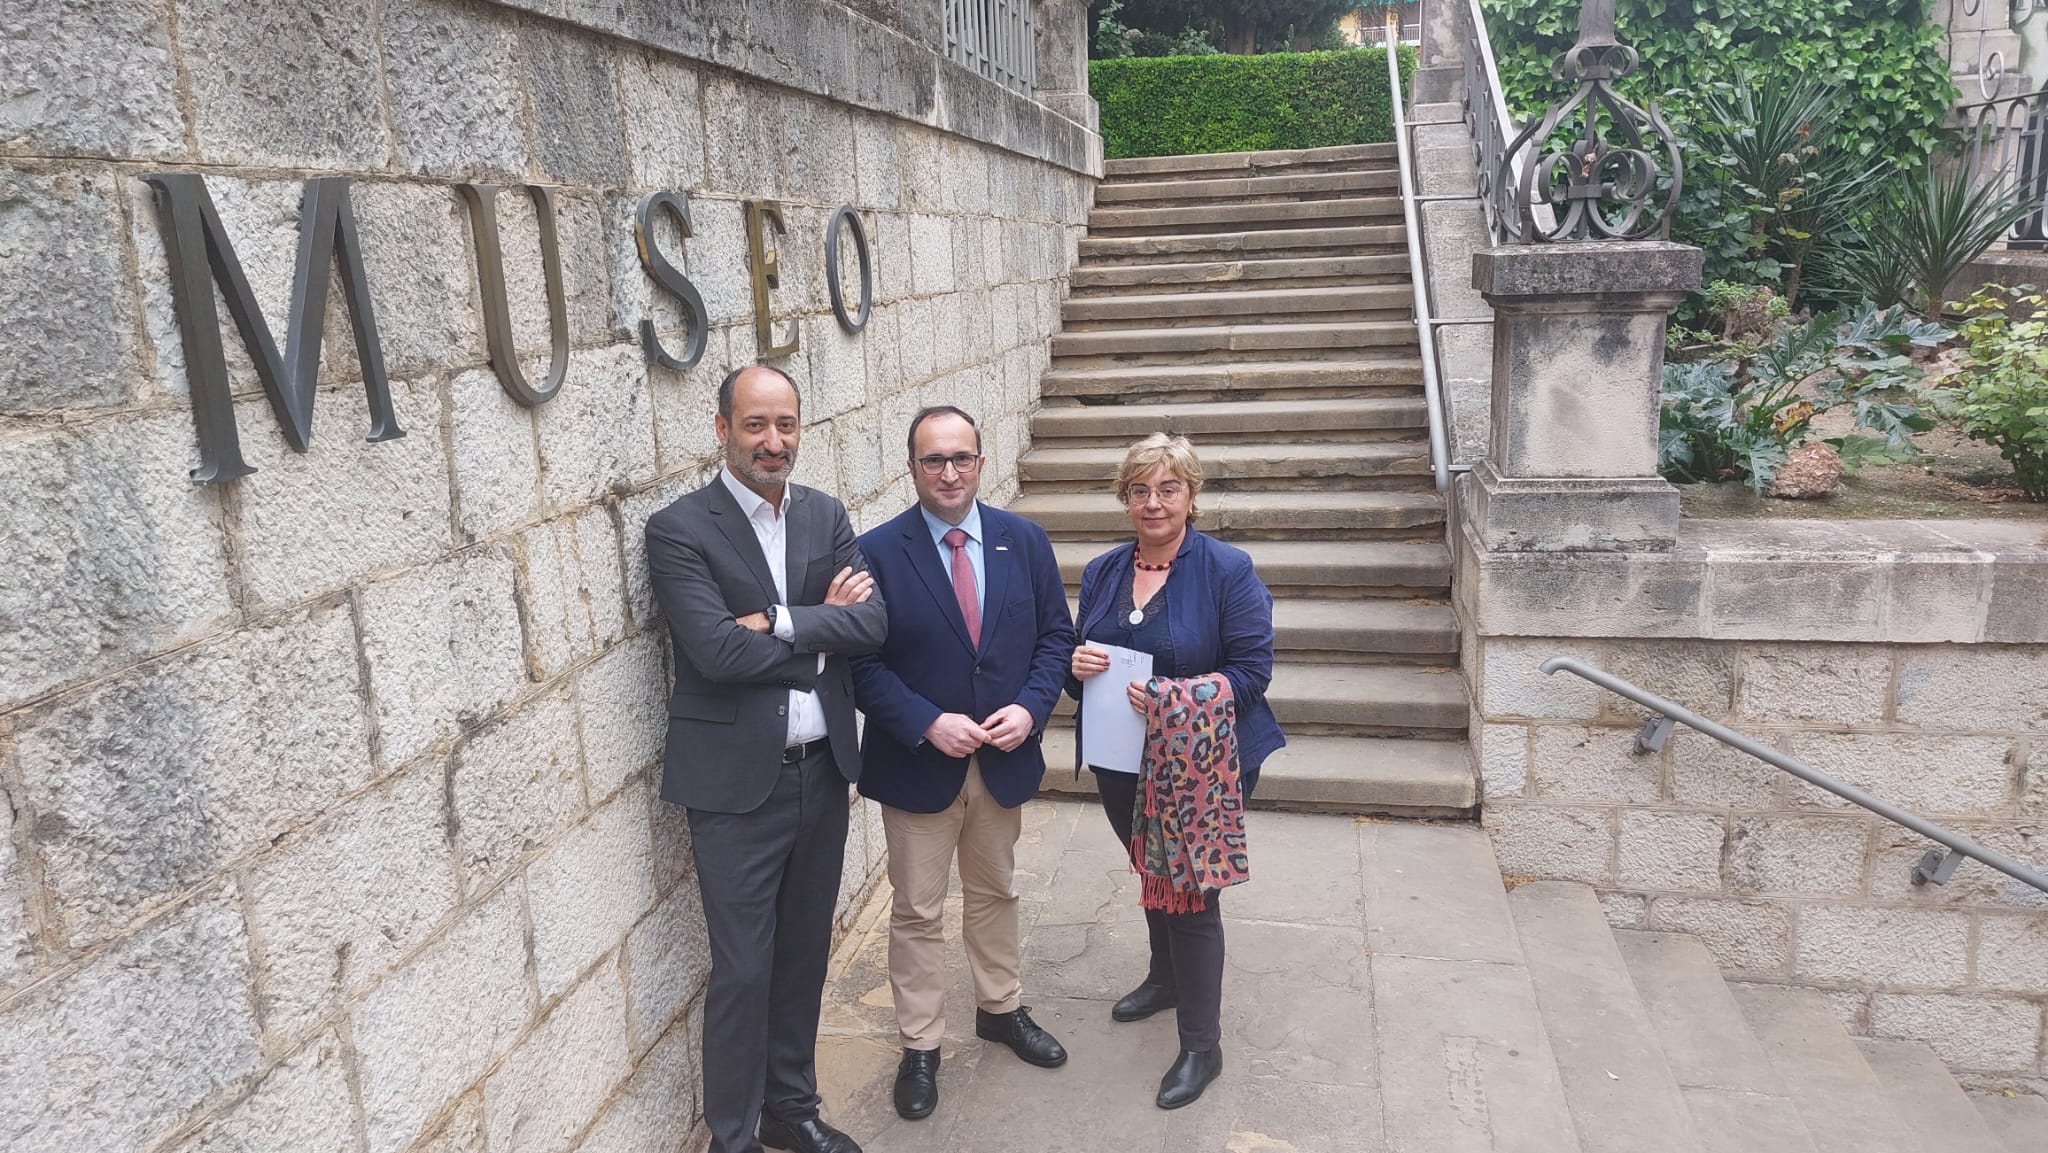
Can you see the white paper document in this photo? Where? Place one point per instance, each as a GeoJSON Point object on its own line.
{"type": "Point", "coordinates": [1113, 733]}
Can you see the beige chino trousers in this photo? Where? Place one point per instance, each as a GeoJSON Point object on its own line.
{"type": "Point", "coordinates": [921, 851]}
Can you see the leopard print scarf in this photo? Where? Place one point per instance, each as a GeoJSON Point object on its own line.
{"type": "Point", "coordinates": [1188, 823]}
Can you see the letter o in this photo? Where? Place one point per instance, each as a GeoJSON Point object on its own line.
{"type": "Point", "coordinates": [846, 215]}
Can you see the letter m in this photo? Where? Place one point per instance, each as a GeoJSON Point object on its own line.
{"type": "Point", "coordinates": [195, 241]}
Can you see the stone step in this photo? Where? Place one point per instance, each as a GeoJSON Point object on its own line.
{"type": "Point", "coordinates": [1229, 275]}
{"type": "Point", "coordinates": [1464, 1063]}
{"type": "Point", "coordinates": [1442, 113]}
{"type": "Point", "coordinates": [1355, 699]}
{"type": "Point", "coordinates": [1345, 566]}
{"type": "Point", "coordinates": [1230, 515]}
{"type": "Point", "coordinates": [1275, 341]}
{"type": "Point", "coordinates": [1818, 1067]}
{"type": "Point", "coordinates": [1119, 424]}
{"type": "Point", "coordinates": [2021, 1122]}
{"type": "Point", "coordinates": [1620, 1090]}
{"type": "Point", "coordinates": [1729, 1086]}
{"type": "Point", "coordinates": [1326, 464]}
{"type": "Point", "coordinates": [1926, 1098]}
{"type": "Point", "coordinates": [1380, 371]}
{"type": "Point", "coordinates": [1291, 186]}
{"type": "Point", "coordinates": [1354, 629]}
{"type": "Point", "coordinates": [1374, 301]}
{"type": "Point", "coordinates": [1371, 626]}
{"type": "Point", "coordinates": [1391, 776]}
{"type": "Point", "coordinates": [1271, 243]}
{"type": "Point", "coordinates": [1217, 165]}
{"type": "Point", "coordinates": [1196, 218]}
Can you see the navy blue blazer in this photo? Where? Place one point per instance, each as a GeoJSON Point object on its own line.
{"type": "Point", "coordinates": [927, 666]}
{"type": "Point", "coordinates": [1221, 616]}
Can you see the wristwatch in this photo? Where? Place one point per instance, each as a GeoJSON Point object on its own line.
{"type": "Point", "coordinates": [769, 612]}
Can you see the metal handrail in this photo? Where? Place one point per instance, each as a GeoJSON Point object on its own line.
{"type": "Point", "coordinates": [1425, 329]}
{"type": "Point", "coordinates": [1934, 865]}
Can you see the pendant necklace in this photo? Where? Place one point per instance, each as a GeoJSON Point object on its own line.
{"type": "Point", "coordinates": [1137, 616]}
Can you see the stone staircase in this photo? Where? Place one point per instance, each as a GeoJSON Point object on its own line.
{"type": "Point", "coordinates": [1649, 1049]}
{"type": "Point", "coordinates": [1259, 304]}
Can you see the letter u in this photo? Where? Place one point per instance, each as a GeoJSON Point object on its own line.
{"type": "Point", "coordinates": [490, 273]}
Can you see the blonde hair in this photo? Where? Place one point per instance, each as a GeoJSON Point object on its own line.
{"type": "Point", "coordinates": [1146, 456]}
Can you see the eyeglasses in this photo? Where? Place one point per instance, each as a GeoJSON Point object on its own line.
{"type": "Point", "coordinates": [964, 463]}
{"type": "Point", "coordinates": [1167, 493]}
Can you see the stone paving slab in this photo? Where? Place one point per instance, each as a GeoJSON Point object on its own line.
{"type": "Point", "coordinates": [1303, 1069]}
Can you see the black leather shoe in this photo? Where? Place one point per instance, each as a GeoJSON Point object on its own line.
{"type": "Point", "coordinates": [1144, 1001]}
{"type": "Point", "coordinates": [1017, 1030]}
{"type": "Point", "coordinates": [1191, 1073]}
{"type": "Point", "coordinates": [917, 1084]}
{"type": "Point", "coordinates": [809, 1136]}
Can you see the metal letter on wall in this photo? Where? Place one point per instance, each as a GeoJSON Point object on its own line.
{"type": "Point", "coordinates": [490, 274]}
{"type": "Point", "coordinates": [858, 321]}
{"type": "Point", "coordinates": [669, 277]}
{"type": "Point", "coordinates": [193, 241]}
{"type": "Point", "coordinates": [767, 271]}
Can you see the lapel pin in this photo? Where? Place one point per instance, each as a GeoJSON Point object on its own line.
{"type": "Point", "coordinates": [1002, 548]}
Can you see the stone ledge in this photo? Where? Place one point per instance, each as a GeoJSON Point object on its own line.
{"type": "Point", "coordinates": [1964, 582]}
{"type": "Point", "coordinates": [831, 51]}
{"type": "Point", "coordinates": [1589, 268]}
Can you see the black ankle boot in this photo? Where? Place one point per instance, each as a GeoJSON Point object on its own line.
{"type": "Point", "coordinates": [1143, 1001]}
{"type": "Point", "coordinates": [1191, 1073]}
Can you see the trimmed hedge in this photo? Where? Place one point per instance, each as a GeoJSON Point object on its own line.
{"type": "Point", "coordinates": [1185, 105]}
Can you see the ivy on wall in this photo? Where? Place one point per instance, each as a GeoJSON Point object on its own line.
{"type": "Point", "coordinates": [1883, 53]}
{"type": "Point", "coordinates": [1185, 105]}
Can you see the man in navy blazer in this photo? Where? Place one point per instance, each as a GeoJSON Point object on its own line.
{"type": "Point", "coordinates": [978, 645]}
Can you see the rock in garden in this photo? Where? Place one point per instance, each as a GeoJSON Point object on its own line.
{"type": "Point", "coordinates": [1812, 470]}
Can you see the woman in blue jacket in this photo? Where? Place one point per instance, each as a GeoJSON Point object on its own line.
{"type": "Point", "coordinates": [1197, 606]}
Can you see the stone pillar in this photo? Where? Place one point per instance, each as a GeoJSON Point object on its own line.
{"type": "Point", "coordinates": [1063, 33]}
{"type": "Point", "coordinates": [1578, 351]}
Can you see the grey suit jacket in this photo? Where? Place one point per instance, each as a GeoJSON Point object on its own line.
{"type": "Point", "coordinates": [728, 716]}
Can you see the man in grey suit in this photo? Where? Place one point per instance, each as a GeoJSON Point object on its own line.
{"type": "Point", "coordinates": [766, 596]}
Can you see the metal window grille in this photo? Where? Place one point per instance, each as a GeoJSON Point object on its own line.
{"type": "Point", "coordinates": [996, 38]}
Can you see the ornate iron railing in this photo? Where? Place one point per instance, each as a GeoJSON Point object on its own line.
{"type": "Point", "coordinates": [1619, 175]}
{"type": "Point", "coordinates": [996, 38]}
{"type": "Point", "coordinates": [2005, 143]}
{"type": "Point", "coordinates": [1936, 865]}
{"type": "Point", "coordinates": [1486, 117]}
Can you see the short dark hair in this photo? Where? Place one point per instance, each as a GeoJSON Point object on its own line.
{"type": "Point", "coordinates": [732, 378]}
{"type": "Point", "coordinates": [930, 411]}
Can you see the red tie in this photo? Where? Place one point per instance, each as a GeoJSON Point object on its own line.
{"type": "Point", "coordinates": [963, 583]}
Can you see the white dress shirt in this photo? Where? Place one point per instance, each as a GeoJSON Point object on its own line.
{"type": "Point", "coordinates": [770, 522]}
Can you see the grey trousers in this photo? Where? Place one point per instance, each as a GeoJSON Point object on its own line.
{"type": "Point", "coordinates": [770, 881]}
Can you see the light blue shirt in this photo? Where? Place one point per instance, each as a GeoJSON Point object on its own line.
{"type": "Point", "coordinates": [972, 527]}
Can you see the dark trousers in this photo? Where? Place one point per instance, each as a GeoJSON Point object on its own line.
{"type": "Point", "coordinates": [1187, 948]}
{"type": "Point", "coordinates": [770, 880]}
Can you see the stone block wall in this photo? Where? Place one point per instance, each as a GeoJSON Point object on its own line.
{"type": "Point", "coordinates": [330, 818]}
{"type": "Point", "coordinates": [1782, 881]}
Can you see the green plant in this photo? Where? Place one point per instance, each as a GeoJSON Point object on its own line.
{"type": "Point", "coordinates": [1928, 227]}
{"type": "Point", "coordinates": [1112, 38]}
{"type": "Point", "coordinates": [1179, 105]}
{"type": "Point", "coordinates": [1999, 394]}
{"type": "Point", "coordinates": [1745, 309]}
{"type": "Point", "coordinates": [1739, 419]}
{"type": "Point", "coordinates": [1767, 152]}
{"type": "Point", "coordinates": [1883, 59]}
{"type": "Point", "coordinates": [1883, 54]}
